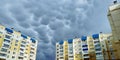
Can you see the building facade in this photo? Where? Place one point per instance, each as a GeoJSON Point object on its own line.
{"type": "Point", "coordinates": [114, 19]}
{"type": "Point", "coordinates": [16, 46]}
{"type": "Point", "coordinates": [95, 47]}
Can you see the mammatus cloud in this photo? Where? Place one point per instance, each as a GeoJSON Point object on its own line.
{"type": "Point", "coordinates": [52, 20]}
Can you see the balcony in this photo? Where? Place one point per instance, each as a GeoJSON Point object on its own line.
{"type": "Point", "coordinates": [86, 56]}
{"type": "Point", "coordinates": [97, 45]}
{"type": "Point", "coordinates": [22, 49]}
{"type": "Point", "coordinates": [21, 54]}
{"type": "Point", "coordinates": [96, 42]}
{"type": "Point", "coordinates": [85, 52]}
{"type": "Point", "coordinates": [70, 52]}
{"type": "Point", "coordinates": [6, 46]}
{"type": "Point", "coordinates": [32, 53]}
{"type": "Point", "coordinates": [61, 55]}
{"type": "Point", "coordinates": [23, 42]}
{"type": "Point", "coordinates": [3, 49]}
{"type": "Point", "coordinates": [84, 45]}
{"type": "Point", "coordinates": [86, 49]}
{"type": "Point", "coordinates": [2, 55]}
{"type": "Point", "coordinates": [99, 56]}
{"type": "Point", "coordinates": [7, 40]}
{"type": "Point", "coordinates": [21, 58]}
{"type": "Point", "coordinates": [7, 36]}
{"type": "Point", "coordinates": [70, 55]}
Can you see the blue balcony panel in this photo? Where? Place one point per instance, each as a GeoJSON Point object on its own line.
{"type": "Point", "coordinates": [83, 38]}
{"type": "Point", "coordinates": [95, 36]}
{"type": "Point", "coordinates": [33, 40]}
{"type": "Point", "coordinates": [70, 40]}
{"type": "Point", "coordinates": [85, 49]}
{"type": "Point", "coordinates": [84, 45]}
{"type": "Point", "coordinates": [61, 42]}
{"type": "Point", "coordinates": [9, 30]}
{"type": "Point", "coordinates": [24, 36]}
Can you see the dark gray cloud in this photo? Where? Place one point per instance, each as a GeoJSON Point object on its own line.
{"type": "Point", "coordinates": [51, 20]}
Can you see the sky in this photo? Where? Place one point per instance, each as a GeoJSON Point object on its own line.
{"type": "Point", "coordinates": [50, 21]}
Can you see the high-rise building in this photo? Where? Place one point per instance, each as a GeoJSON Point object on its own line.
{"type": "Point", "coordinates": [70, 49]}
{"type": "Point", "coordinates": [95, 47]}
{"type": "Point", "coordinates": [114, 19]}
{"type": "Point", "coordinates": [77, 49]}
{"type": "Point", "coordinates": [16, 46]}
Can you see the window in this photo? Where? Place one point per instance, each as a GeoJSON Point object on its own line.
{"type": "Point", "coordinates": [61, 57]}
{"type": "Point", "coordinates": [20, 57]}
{"type": "Point", "coordinates": [2, 54]}
{"type": "Point", "coordinates": [21, 54]}
{"type": "Point", "coordinates": [32, 52]}
{"type": "Point", "coordinates": [16, 44]}
{"type": "Point", "coordinates": [98, 53]}
{"type": "Point", "coordinates": [22, 45]}
{"type": "Point", "coordinates": [91, 48]}
{"type": "Point", "coordinates": [23, 42]}
{"type": "Point", "coordinates": [14, 48]}
{"type": "Point", "coordinates": [96, 42]}
{"type": "Point", "coordinates": [102, 45]}
{"type": "Point", "coordinates": [8, 56]}
{"type": "Point", "coordinates": [4, 50]}
{"type": "Point", "coordinates": [98, 49]}
{"type": "Point", "coordinates": [98, 45]}
{"type": "Point", "coordinates": [1, 32]}
{"type": "Point", "coordinates": [8, 51]}
{"type": "Point", "coordinates": [16, 41]}
{"type": "Point", "coordinates": [61, 47]}
{"type": "Point", "coordinates": [8, 37]}
{"type": "Point", "coordinates": [76, 56]}
{"type": "Point", "coordinates": [32, 49]}
{"type": "Point", "coordinates": [5, 40]}
{"type": "Point", "coordinates": [13, 52]}
{"type": "Point", "coordinates": [6, 45]}
{"type": "Point", "coordinates": [30, 55]}
{"type": "Point", "coordinates": [86, 55]}
{"type": "Point", "coordinates": [25, 52]}
{"type": "Point", "coordinates": [111, 53]}
{"type": "Point", "coordinates": [25, 56]}
{"type": "Point", "coordinates": [21, 49]}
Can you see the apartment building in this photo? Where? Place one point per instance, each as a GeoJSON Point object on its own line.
{"type": "Point", "coordinates": [85, 47]}
{"type": "Point", "coordinates": [70, 49]}
{"type": "Point", "coordinates": [16, 46]}
{"type": "Point", "coordinates": [114, 19]}
{"type": "Point", "coordinates": [95, 47]}
{"type": "Point", "coordinates": [77, 49]}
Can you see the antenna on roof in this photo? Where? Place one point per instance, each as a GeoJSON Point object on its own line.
{"type": "Point", "coordinates": [115, 1]}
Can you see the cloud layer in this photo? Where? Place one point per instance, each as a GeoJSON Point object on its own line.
{"type": "Point", "coordinates": [52, 20]}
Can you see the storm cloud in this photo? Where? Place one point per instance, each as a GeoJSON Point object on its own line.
{"type": "Point", "coordinates": [53, 20]}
